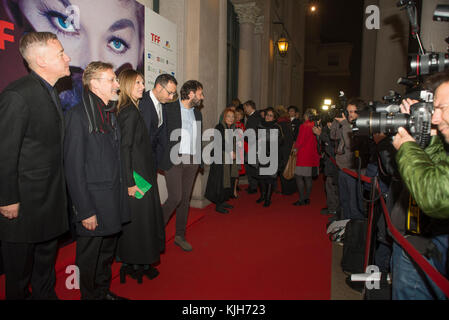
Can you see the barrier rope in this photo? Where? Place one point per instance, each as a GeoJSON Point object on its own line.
{"type": "Point", "coordinates": [429, 270]}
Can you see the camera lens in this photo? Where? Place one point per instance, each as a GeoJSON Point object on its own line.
{"type": "Point", "coordinates": [369, 123]}
{"type": "Point", "coordinates": [428, 63]}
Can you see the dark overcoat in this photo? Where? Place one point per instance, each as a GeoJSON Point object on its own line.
{"type": "Point", "coordinates": [94, 174]}
{"type": "Point", "coordinates": [143, 239]}
{"type": "Point", "coordinates": [31, 162]}
{"type": "Point", "coordinates": [215, 190]}
{"type": "Point", "coordinates": [252, 123]}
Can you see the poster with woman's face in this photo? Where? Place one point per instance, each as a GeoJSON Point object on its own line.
{"type": "Point", "coordinates": [89, 30]}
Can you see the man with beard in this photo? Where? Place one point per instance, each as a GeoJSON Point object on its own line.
{"type": "Point", "coordinates": [182, 156]}
{"type": "Point", "coordinates": [94, 180]}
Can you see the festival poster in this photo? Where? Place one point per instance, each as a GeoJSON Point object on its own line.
{"type": "Point", "coordinates": [101, 30]}
{"type": "Point", "coordinates": [160, 47]}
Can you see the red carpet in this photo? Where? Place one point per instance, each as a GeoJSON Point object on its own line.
{"type": "Point", "coordinates": [276, 253]}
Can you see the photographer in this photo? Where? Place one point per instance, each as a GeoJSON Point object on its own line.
{"type": "Point", "coordinates": [330, 170]}
{"type": "Point", "coordinates": [426, 175]}
{"type": "Point", "coordinates": [341, 130]}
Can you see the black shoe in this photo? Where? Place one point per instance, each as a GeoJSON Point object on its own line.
{"type": "Point", "coordinates": [324, 211]}
{"type": "Point", "coordinates": [263, 192]}
{"type": "Point", "coordinates": [126, 270]}
{"type": "Point", "coordinates": [307, 201]}
{"type": "Point", "coordinates": [137, 274]}
{"type": "Point", "coordinates": [226, 205]}
{"type": "Point", "coordinates": [112, 296]}
{"type": "Point", "coordinates": [299, 203]}
{"type": "Point", "coordinates": [261, 199]}
{"type": "Point", "coordinates": [151, 273]}
{"type": "Point", "coordinates": [220, 209]}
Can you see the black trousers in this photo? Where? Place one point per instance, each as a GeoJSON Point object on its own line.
{"type": "Point", "coordinates": [94, 257]}
{"type": "Point", "coordinates": [26, 263]}
{"type": "Point", "coordinates": [252, 174]}
{"type": "Point", "coordinates": [180, 179]}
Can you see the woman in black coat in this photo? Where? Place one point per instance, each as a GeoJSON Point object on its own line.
{"type": "Point", "coordinates": [220, 183]}
{"type": "Point", "coordinates": [267, 182]}
{"type": "Point", "coordinates": [143, 239]}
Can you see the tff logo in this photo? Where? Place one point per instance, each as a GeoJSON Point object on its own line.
{"type": "Point", "coordinates": [155, 38]}
{"type": "Point", "coordinates": [5, 25]}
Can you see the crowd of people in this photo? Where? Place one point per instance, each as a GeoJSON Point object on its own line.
{"type": "Point", "coordinates": [107, 150]}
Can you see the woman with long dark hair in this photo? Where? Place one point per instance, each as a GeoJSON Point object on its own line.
{"type": "Point", "coordinates": [143, 239]}
{"type": "Point", "coordinates": [307, 158]}
{"type": "Point", "coordinates": [267, 182]}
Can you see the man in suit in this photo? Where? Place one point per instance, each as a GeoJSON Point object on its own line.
{"type": "Point", "coordinates": [182, 156]}
{"type": "Point", "coordinates": [294, 121]}
{"type": "Point", "coordinates": [253, 120]}
{"type": "Point", "coordinates": [153, 113]}
{"type": "Point", "coordinates": [95, 180]}
{"type": "Point", "coordinates": [33, 204]}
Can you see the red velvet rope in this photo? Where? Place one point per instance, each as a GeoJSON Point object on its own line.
{"type": "Point", "coordinates": [430, 270]}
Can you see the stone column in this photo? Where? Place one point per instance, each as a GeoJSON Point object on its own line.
{"type": "Point", "coordinates": [369, 42]}
{"type": "Point", "coordinates": [257, 60]}
{"type": "Point", "coordinates": [391, 49]}
{"type": "Point", "coordinates": [247, 15]}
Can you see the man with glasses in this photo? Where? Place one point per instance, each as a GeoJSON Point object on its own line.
{"type": "Point", "coordinates": [153, 114]}
{"type": "Point", "coordinates": [94, 180]}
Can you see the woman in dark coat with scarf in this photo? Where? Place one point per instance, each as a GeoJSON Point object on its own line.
{"type": "Point", "coordinates": [267, 182]}
{"type": "Point", "coordinates": [220, 183]}
{"type": "Point", "coordinates": [307, 158]}
{"type": "Point", "coordinates": [143, 239]}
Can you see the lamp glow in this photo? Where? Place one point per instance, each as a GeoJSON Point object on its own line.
{"type": "Point", "coordinates": [282, 46]}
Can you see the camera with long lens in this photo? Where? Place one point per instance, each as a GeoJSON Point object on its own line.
{"type": "Point", "coordinates": [429, 63]}
{"type": "Point", "coordinates": [386, 118]}
{"type": "Point", "coordinates": [337, 110]}
{"type": "Point", "coordinates": [425, 63]}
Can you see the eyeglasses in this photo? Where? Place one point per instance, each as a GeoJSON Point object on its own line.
{"type": "Point", "coordinates": [169, 93]}
{"type": "Point", "coordinates": [115, 79]}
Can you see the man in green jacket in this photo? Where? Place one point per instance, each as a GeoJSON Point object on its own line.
{"type": "Point", "coordinates": [426, 175]}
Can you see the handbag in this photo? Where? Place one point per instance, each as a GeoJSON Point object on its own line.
{"type": "Point", "coordinates": [289, 170]}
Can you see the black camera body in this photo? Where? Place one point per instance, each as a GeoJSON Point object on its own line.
{"type": "Point", "coordinates": [386, 119]}
{"type": "Point", "coordinates": [337, 110]}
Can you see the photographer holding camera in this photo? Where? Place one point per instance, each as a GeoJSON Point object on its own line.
{"type": "Point", "coordinates": [341, 131]}
{"type": "Point", "coordinates": [426, 175]}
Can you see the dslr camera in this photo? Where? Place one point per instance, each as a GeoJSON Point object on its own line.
{"type": "Point", "coordinates": [386, 117]}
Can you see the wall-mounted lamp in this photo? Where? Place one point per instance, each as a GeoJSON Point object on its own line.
{"type": "Point", "coordinates": [282, 45]}
{"type": "Point", "coordinates": [282, 42]}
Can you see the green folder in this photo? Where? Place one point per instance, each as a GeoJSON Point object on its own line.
{"type": "Point", "coordinates": [142, 184]}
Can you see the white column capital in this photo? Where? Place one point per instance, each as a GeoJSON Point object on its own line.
{"type": "Point", "coordinates": [258, 26]}
{"type": "Point", "coordinates": [247, 12]}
